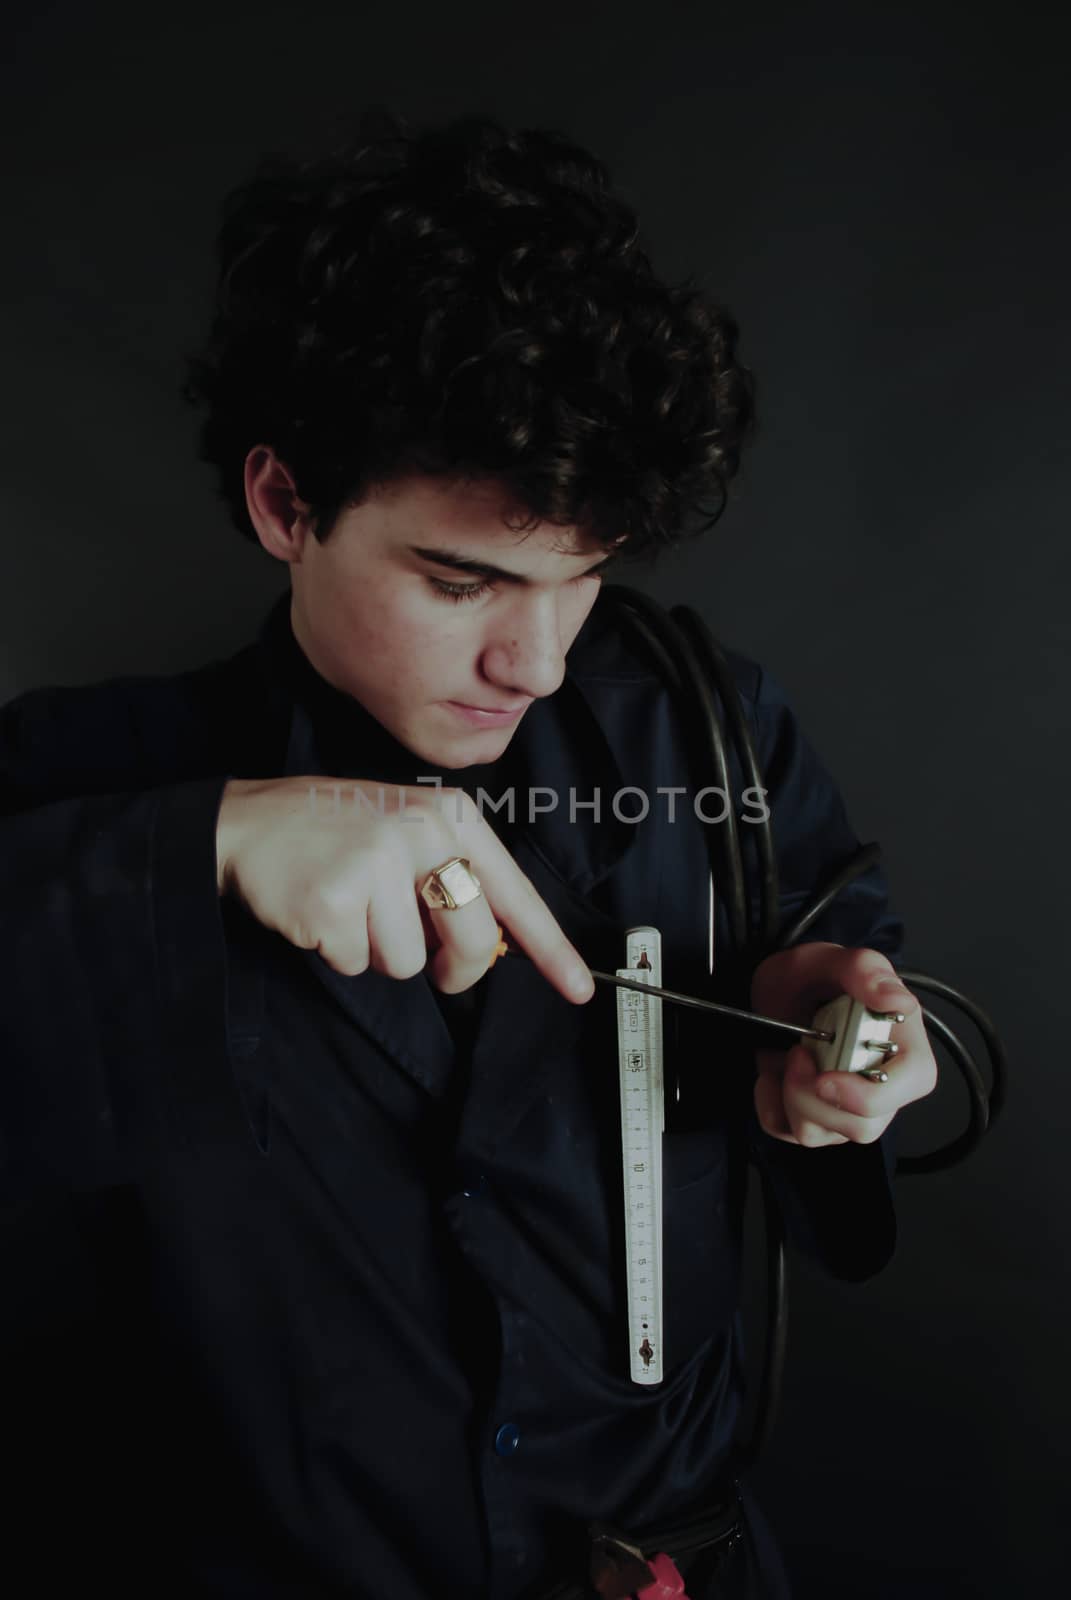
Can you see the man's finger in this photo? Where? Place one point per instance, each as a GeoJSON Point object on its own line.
{"type": "Point", "coordinates": [466, 938]}
{"type": "Point", "coordinates": [870, 977]}
{"type": "Point", "coordinates": [806, 1102]}
{"type": "Point", "coordinates": [517, 905]}
{"type": "Point", "coordinates": [776, 1113]}
{"type": "Point", "coordinates": [816, 972]}
{"type": "Point", "coordinates": [912, 1072]}
{"type": "Point", "coordinates": [769, 1105]}
{"type": "Point", "coordinates": [910, 1077]}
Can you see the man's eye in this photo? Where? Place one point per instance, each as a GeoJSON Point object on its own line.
{"type": "Point", "coordinates": [459, 591]}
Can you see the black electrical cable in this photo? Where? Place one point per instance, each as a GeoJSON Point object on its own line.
{"type": "Point", "coordinates": [863, 858]}
{"type": "Point", "coordinates": [694, 667]}
{"type": "Point", "coordinates": [998, 1061]}
{"type": "Point", "coordinates": [702, 730]}
{"type": "Point", "coordinates": [764, 928]}
{"type": "Point", "coordinates": [981, 1116]}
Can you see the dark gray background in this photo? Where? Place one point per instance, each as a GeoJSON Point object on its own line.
{"type": "Point", "coordinates": [880, 194]}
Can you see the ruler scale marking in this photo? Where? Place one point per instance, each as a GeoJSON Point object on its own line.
{"type": "Point", "coordinates": [642, 1120]}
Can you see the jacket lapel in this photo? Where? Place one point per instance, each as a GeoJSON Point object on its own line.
{"type": "Point", "coordinates": [526, 1024]}
{"type": "Point", "coordinates": [399, 1014]}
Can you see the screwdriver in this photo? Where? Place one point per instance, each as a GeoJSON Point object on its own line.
{"type": "Point", "coordinates": [504, 948]}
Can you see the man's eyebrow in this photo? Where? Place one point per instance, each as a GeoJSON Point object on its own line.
{"type": "Point", "coordinates": [486, 569]}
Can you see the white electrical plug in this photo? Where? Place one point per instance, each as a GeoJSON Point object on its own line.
{"type": "Point", "coordinates": [861, 1039]}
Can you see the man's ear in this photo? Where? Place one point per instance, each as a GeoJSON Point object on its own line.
{"type": "Point", "coordinates": [281, 518]}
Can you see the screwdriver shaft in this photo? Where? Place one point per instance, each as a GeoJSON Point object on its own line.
{"type": "Point", "coordinates": [710, 1005]}
{"type": "Point", "coordinates": [506, 948]}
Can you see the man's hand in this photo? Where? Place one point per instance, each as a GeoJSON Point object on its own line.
{"type": "Point", "coordinates": [336, 865]}
{"type": "Point", "coordinates": [800, 1105]}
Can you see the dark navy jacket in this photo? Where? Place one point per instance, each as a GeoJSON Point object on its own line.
{"type": "Point", "coordinates": [303, 1296]}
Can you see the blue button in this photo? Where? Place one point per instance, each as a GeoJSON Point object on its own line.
{"type": "Point", "coordinates": [507, 1439]}
{"type": "Point", "coordinates": [475, 1187]}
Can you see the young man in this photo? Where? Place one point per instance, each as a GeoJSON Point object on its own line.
{"type": "Point", "coordinates": [316, 1232]}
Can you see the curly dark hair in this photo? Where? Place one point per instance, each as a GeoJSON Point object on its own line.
{"type": "Point", "coordinates": [472, 303]}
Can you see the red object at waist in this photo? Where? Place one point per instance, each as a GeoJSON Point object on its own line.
{"type": "Point", "coordinates": [668, 1583]}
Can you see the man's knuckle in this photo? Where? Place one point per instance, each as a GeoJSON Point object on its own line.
{"type": "Point", "coordinates": [438, 836]}
{"type": "Point", "coordinates": [389, 870]}
{"type": "Point", "coordinates": [811, 1135]}
{"type": "Point", "coordinates": [347, 960]}
{"type": "Point", "coordinates": [399, 963]}
{"type": "Point", "coordinates": [445, 810]}
{"type": "Point", "coordinates": [329, 899]}
{"type": "Point", "coordinates": [353, 966]}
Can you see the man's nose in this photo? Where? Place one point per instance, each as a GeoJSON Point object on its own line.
{"type": "Point", "coordinates": [525, 654]}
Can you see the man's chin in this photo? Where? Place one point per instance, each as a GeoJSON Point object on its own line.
{"type": "Point", "coordinates": [479, 750]}
{"type": "Point", "coordinates": [477, 747]}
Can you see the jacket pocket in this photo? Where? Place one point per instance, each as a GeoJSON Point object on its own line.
{"type": "Point", "coordinates": [700, 1239]}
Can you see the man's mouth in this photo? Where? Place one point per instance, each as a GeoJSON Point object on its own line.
{"type": "Point", "coordinates": [489, 716]}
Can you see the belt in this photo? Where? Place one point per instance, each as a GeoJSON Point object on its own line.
{"type": "Point", "coordinates": [619, 1562]}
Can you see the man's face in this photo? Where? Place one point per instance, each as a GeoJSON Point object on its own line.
{"type": "Point", "coordinates": [380, 616]}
